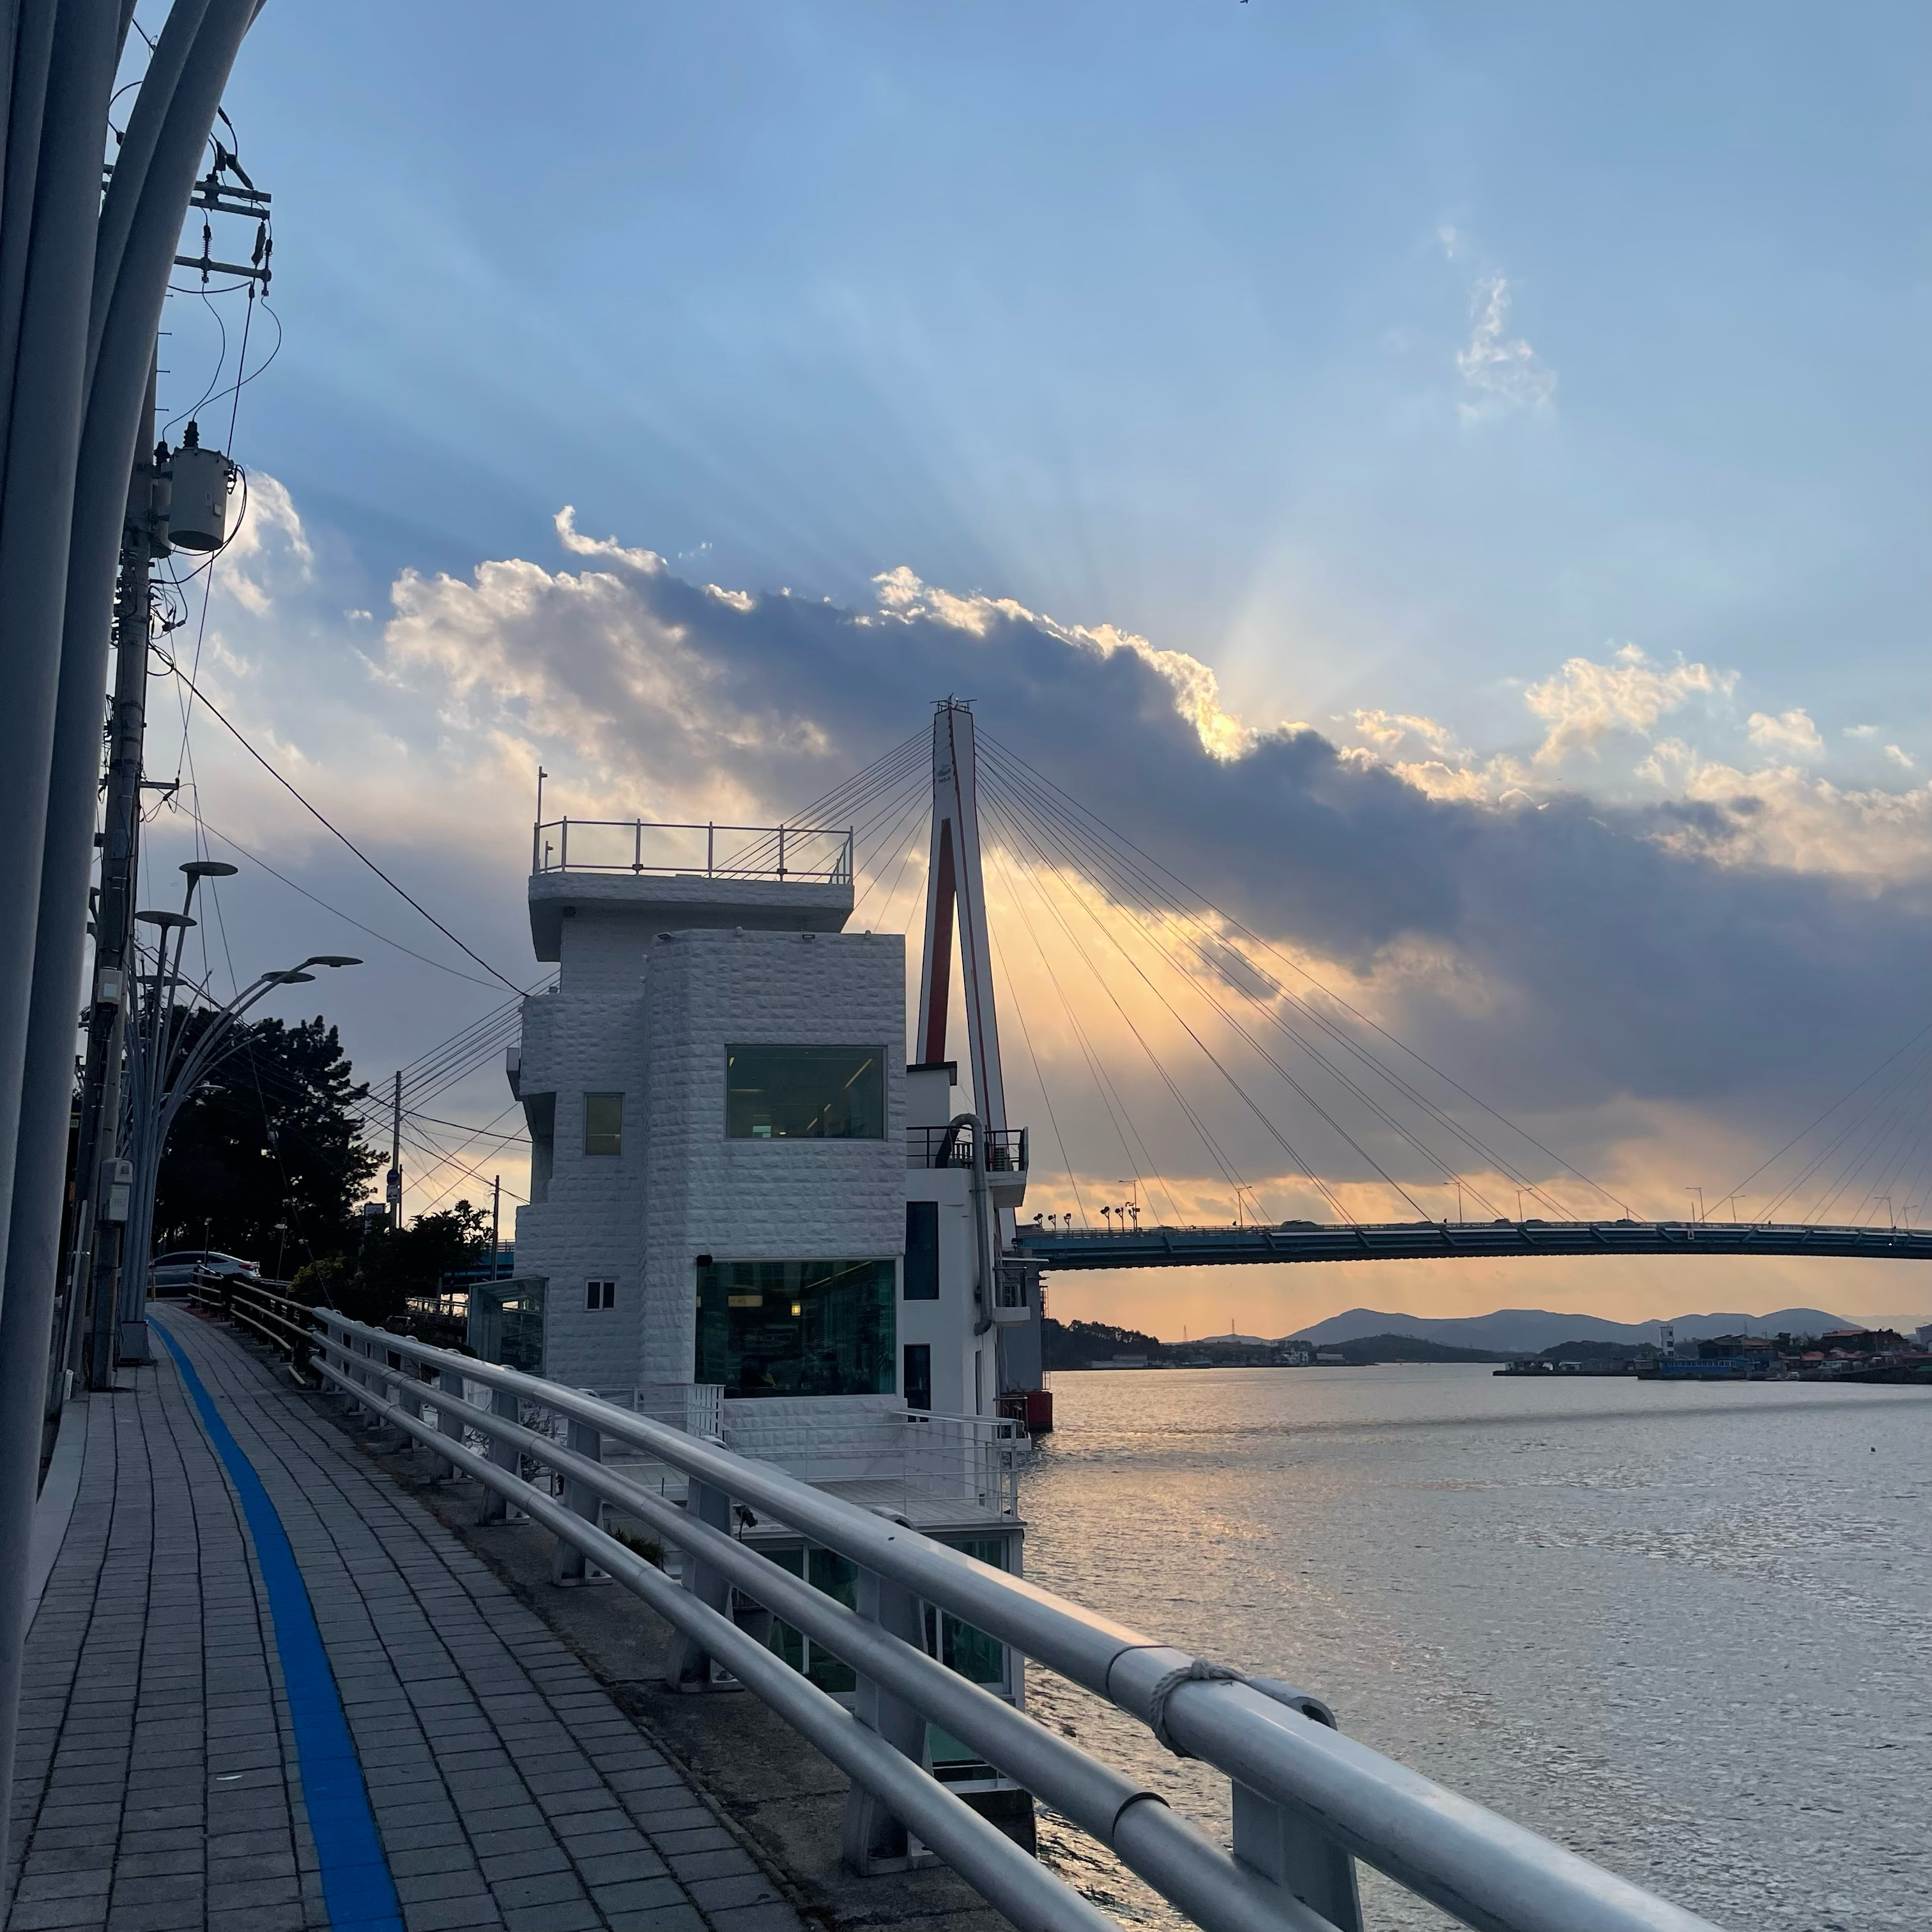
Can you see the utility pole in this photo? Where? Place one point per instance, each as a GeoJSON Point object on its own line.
{"type": "Point", "coordinates": [496, 1220]}
{"type": "Point", "coordinates": [395, 1182]}
{"type": "Point", "coordinates": [101, 1192]}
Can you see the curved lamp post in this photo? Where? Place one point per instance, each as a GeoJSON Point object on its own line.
{"type": "Point", "coordinates": [163, 1086]}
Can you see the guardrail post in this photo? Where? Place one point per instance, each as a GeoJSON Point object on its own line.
{"type": "Point", "coordinates": [1289, 1849]}
{"type": "Point", "coordinates": [451, 1410]}
{"type": "Point", "coordinates": [492, 1507]}
{"type": "Point", "coordinates": [441, 1469]}
{"type": "Point", "coordinates": [873, 1841]}
{"type": "Point", "coordinates": [687, 1666]}
{"type": "Point", "coordinates": [567, 1563]}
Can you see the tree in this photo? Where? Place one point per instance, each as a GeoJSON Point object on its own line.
{"type": "Point", "coordinates": [375, 1285]}
{"type": "Point", "coordinates": [273, 1135]}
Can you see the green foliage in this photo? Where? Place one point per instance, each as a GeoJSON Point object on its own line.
{"type": "Point", "coordinates": [273, 1135]}
{"type": "Point", "coordinates": [376, 1284]}
{"type": "Point", "coordinates": [1071, 1345]}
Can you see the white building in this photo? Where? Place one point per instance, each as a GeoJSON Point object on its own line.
{"type": "Point", "coordinates": [730, 1160]}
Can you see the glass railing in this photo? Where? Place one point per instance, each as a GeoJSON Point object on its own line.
{"type": "Point", "coordinates": [811, 854]}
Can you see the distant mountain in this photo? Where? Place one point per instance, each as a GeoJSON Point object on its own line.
{"type": "Point", "coordinates": [1530, 1331]}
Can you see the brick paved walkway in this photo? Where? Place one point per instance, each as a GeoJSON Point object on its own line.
{"type": "Point", "coordinates": [159, 1786]}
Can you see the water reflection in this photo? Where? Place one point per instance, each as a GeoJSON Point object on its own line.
{"type": "Point", "coordinates": [1684, 1631]}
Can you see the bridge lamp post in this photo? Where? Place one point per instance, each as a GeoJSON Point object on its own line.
{"type": "Point", "coordinates": [1699, 1193]}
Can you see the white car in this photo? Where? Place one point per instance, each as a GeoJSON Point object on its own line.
{"type": "Point", "coordinates": [179, 1270]}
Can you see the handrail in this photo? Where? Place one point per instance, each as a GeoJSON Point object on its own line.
{"type": "Point", "coordinates": [1306, 1798]}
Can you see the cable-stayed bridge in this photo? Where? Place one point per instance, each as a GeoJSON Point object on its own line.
{"type": "Point", "coordinates": [1185, 1033]}
{"type": "Point", "coordinates": [1177, 1063]}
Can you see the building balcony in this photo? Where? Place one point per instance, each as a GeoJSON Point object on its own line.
{"type": "Point", "coordinates": [1007, 1153]}
{"type": "Point", "coordinates": [1006, 1148]}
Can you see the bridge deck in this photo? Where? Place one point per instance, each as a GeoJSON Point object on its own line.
{"type": "Point", "coordinates": [1422, 1241]}
{"type": "Point", "coordinates": [265, 1691]}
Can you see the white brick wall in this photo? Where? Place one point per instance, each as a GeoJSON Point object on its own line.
{"type": "Point", "coordinates": [591, 1225]}
{"type": "Point", "coordinates": [679, 1189]}
{"type": "Point", "coordinates": [755, 1200]}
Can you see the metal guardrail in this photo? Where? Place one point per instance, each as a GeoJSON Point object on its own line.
{"type": "Point", "coordinates": [810, 854]}
{"type": "Point", "coordinates": [1307, 1801]}
{"type": "Point", "coordinates": [1006, 1148]}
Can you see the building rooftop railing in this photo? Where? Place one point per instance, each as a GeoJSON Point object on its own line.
{"type": "Point", "coordinates": [806, 854]}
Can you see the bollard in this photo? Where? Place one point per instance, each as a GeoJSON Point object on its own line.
{"type": "Point", "coordinates": [873, 1841]}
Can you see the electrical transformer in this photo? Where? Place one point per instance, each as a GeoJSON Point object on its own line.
{"type": "Point", "coordinates": [198, 513]}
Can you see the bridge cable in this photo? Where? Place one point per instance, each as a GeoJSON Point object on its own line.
{"type": "Point", "coordinates": [1046, 785]}
{"type": "Point", "coordinates": [1846, 1131]}
{"type": "Point", "coordinates": [1018, 1012]}
{"type": "Point", "coordinates": [1770, 1160]}
{"type": "Point", "coordinates": [1118, 1115]}
{"type": "Point", "coordinates": [1015, 829]}
{"type": "Point", "coordinates": [1229, 1170]}
{"type": "Point", "coordinates": [1184, 967]}
{"type": "Point", "coordinates": [1130, 886]}
{"type": "Point", "coordinates": [1268, 1125]}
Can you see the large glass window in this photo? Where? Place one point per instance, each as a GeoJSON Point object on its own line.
{"type": "Point", "coordinates": [797, 1327]}
{"type": "Point", "coordinates": [805, 1093]}
{"type": "Point", "coordinates": [922, 1251]}
{"type": "Point", "coordinates": [603, 1123]}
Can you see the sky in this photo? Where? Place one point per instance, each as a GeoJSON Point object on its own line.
{"type": "Point", "coordinates": [1449, 486]}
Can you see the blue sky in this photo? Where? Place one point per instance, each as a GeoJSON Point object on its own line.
{"type": "Point", "coordinates": [1143, 315]}
{"type": "Point", "coordinates": [1389, 362]}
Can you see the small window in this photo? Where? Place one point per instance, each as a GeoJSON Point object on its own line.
{"type": "Point", "coordinates": [600, 1294]}
{"type": "Point", "coordinates": [805, 1093]}
{"type": "Point", "coordinates": [922, 1251]}
{"type": "Point", "coordinates": [919, 1375]}
{"type": "Point", "coordinates": [603, 1123]}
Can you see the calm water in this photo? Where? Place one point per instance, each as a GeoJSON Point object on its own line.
{"type": "Point", "coordinates": [1686, 1631]}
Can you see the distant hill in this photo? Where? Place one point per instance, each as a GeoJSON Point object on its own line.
{"type": "Point", "coordinates": [1531, 1331]}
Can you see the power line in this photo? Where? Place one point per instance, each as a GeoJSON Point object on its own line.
{"type": "Point", "coordinates": [342, 836]}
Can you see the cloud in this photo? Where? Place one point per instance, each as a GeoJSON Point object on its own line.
{"type": "Point", "coordinates": [1791, 734]}
{"type": "Point", "coordinates": [1586, 701]}
{"type": "Point", "coordinates": [269, 547]}
{"type": "Point", "coordinates": [1500, 375]}
{"type": "Point", "coordinates": [1901, 757]}
{"type": "Point", "coordinates": [1723, 934]}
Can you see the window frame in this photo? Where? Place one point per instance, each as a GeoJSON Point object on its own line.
{"type": "Point", "coordinates": [600, 1292]}
{"type": "Point", "coordinates": [920, 1283]}
{"type": "Point", "coordinates": [614, 1152]}
{"type": "Point", "coordinates": [875, 1058]}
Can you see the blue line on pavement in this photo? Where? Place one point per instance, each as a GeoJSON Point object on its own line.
{"type": "Point", "coordinates": [355, 1881]}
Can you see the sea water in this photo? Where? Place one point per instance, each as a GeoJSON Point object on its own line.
{"type": "Point", "coordinates": [1684, 1630]}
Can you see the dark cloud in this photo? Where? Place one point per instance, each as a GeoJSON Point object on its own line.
{"type": "Point", "coordinates": [1614, 953]}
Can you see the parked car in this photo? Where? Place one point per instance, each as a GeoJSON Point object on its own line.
{"type": "Point", "coordinates": [179, 1270]}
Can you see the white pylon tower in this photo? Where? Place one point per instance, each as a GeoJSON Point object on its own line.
{"type": "Point", "coordinates": [953, 885]}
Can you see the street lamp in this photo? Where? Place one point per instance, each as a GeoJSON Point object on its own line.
{"type": "Point", "coordinates": [162, 1086]}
